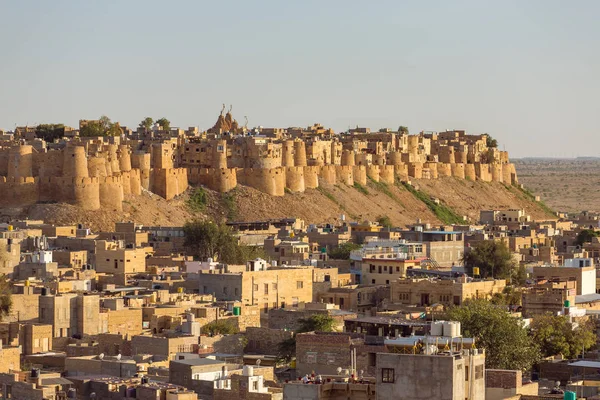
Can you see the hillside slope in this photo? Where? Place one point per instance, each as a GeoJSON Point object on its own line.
{"type": "Point", "coordinates": [457, 198]}
{"type": "Point", "coordinates": [327, 203]}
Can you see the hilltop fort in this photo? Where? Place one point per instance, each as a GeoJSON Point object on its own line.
{"type": "Point", "coordinates": [98, 171]}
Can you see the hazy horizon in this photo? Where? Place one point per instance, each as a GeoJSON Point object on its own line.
{"type": "Point", "coordinates": [524, 72]}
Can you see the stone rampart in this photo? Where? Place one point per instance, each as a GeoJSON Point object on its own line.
{"type": "Point", "coordinates": [111, 192]}
{"type": "Point", "coordinates": [470, 172]}
{"type": "Point", "coordinates": [344, 174]}
{"type": "Point", "coordinates": [415, 170]}
{"type": "Point", "coordinates": [444, 169]}
{"type": "Point", "coordinates": [373, 172]}
{"type": "Point", "coordinates": [360, 174]}
{"type": "Point", "coordinates": [270, 181]}
{"type": "Point", "coordinates": [348, 158]}
{"type": "Point", "coordinates": [311, 177]}
{"type": "Point", "coordinates": [386, 174]}
{"type": "Point", "coordinates": [294, 179]}
{"type": "Point", "coordinates": [18, 192]}
{"type": "Point", "coordinates": [328, 174]}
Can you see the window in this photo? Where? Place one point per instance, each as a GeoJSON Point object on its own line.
{"type": "Point", "coordinates": [466, 373]}
{"type": "Point", "coordinates": [373, 281]}
{"type": "Point", "coordinates": [387, 375]}
{"type": "Point", "coordinates": [255, 287]}
{"type": "Point", "coordinates": [372, 359]}
{"type": "Point", "coordinates": [266, 288]}
{"type": "Point", "coordinates": [274, 286]}
{"type": "Point", "coordinates": [299, 284]}
{"type": "Point", "coordinates": [205, 289]}
{"type": "Point", "coordinates": [397, 269]}
{"type": "Point", "coordinates": [255, 386]}
{"type": "Point", "coordinates": [294, 302]}
{"type": "Point", "coordinates": [479, 372]}
{"type": "Point", "coordinates": [311, 357]}
{"type": "Point", "coordinates": [387, 282]}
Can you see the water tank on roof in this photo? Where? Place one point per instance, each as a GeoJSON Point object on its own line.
{"type": "Point", "coordinates": [248, 370]}
{"type": "Point", "coordinates": [452, 328]}
{"type": "Point", "coordinates": [570, 396]}
{"type": "Point", "coordinates": [436, 328]}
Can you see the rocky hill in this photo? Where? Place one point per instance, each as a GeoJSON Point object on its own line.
{"type": "Point", "coordinates": [445, 200]}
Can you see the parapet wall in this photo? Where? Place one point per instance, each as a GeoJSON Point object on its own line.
{"type": "Point", "coordinates": [110, 172]}
{"type": "Point", "coordinates": [275, 181]}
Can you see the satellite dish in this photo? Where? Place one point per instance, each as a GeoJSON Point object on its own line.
{"type": "Point", "coordinates": [101, 356]}
{"type": "Point", "coordinates": [258, 362]}
{"type": "Point", "coordinates": [339, 370]}
{"type": "Point", "coordinates": [119, 357]}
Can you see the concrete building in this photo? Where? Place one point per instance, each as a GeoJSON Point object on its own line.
{"type": "Point", "coordinates": [453, 376]}
{"type": "Point", "coordinates": [70, 314]}
{"type": "Point", "coordinates": [446, 248]}
{"type": "Point", "coordinates": [270, 288]}
{"type": "Point", "coordinates": [577, 270]}
{"type": "Point", "coordinates": [424, 292]}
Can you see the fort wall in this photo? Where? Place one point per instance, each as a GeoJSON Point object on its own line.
{"type": "Point", "coordinates": [387, 174]}
{"type": "Point", "coordinates": [294, 179]}
{"type": "Point", "coordinates": [344, 174]}
{"type": "Point", "coordinates": [373, 172]}
{"type": "Point", "coordinates": [470, 172]}
{"type": "Point", "coordinates": [311, 177]}
{"type": "Point", "coordinates": [299, 153]}
{"type": "Point", "coordinates": [328, 174]}
{"type": "Point", "coordinates": [99, 174]}
{"type": "Point", "coordinates": [20, 162]}
{"type": "Point", "coordinates": [270, 181]}
{"type": "Point", "coordinates": [360, 174]}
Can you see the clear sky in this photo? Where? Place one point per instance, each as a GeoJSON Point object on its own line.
{"type": "Point", "coordinates": [524, 71]}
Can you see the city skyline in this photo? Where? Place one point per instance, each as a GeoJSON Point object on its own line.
{"type": "Point", "coordinates": [522, 72]}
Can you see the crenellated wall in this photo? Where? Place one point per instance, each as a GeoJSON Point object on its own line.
{"type": "Point", "coordinates": [373, 172]}
{"type": "Point", "coordinates": [294, 179]}
{"type": "Point", "coordinates": [100, 175]}
{"type": "Point", "coordinates": [270, 181]}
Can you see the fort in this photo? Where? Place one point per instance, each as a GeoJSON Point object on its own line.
{"type": "Point", "coordinates": [95, 172]}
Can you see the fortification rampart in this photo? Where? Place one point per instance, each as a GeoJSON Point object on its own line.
{"type": "Point", "coordinates": [101, 173]}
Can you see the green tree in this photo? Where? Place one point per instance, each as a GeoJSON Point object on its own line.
{"type": "Point", "coordinates": [507, 343]}
{"type": "Point", "coordinates": [114, 130]}
{"type": "Point", "coordinates": [493, 258]}
{"type": "Point", "coordinates": [92, 128]}
{"type": "Point", "coordinates": [206, 239]}
{"type": "Point", "coordinates": [50, 132]}
{"type": "Point", "coordinates": [102, 127]}
{"type": "Point", "coordinates": [314, 323]}
{"type": "Point", "coordinates": [342, 252]}
{"type": "Point", "coordinates": [490, 141]}
{"type": "Point", "coordinates": [147, 123]}
{"type": "Point", "coordinates": [586, 236]}
{"type": "Point", "coordinates": [164, 123]}
{"type": "Point", "coordinates": [220, 327]}
{"type": "Point", "coordinates": [384, 221]}
{"type": "Point", "coordinates": [555, 334]}
{"type": "Point", "coordinates": [510, 296]}
{"type": "Point", "coordinates": [403, 130]}
{"type": "Point", "coordinates": [198, 200]}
